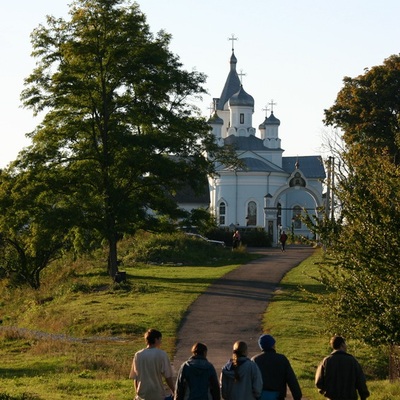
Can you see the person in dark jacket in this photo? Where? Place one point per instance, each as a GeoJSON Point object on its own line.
{"type": "Point", "coordinates": [339, 376]}
{"type": "Point", "coordinates": [276, 371]}
{"type": "Point", "coordinates": [197, 378]}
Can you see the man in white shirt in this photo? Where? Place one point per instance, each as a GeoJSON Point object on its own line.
{"type": "Point", "coordinates": [149, 367]}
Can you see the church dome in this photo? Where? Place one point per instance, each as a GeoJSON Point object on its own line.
{"type": "Point", "coordinates": [215, 119]}
{"type": "Point", "coordinates": [272, 120]}
{"type": "Point", "coordinates": [241, 98]}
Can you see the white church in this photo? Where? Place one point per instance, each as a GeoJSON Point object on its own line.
{"type": "Point", "coordinates": [268, 190]}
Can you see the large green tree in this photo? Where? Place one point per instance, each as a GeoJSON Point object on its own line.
{"type": "Point", "coordinates": [365, 279]}
{"type": "Point", "coordinates": [119, 127]}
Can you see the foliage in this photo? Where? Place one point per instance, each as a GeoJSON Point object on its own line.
{"type": "Point", "coordinates": [252, 237]}
{"type": "Point", "coordinates": [200, 221]}
{"type": "Point", "coordinates": [56, 368]}
{"type": "Point", "coordinates": [33, 227]}
{"type": "Point", "coordinates": [23, 396]}
{"type": "Point", "coordinates": [364, 276]}
{"type": "Point", "coordinates": [79, 344]}
{"type": "Point", "coordinates": [367, 109]}
{"type": "Point", "coordinates": [175, 248]}
{"type": "Point", "coordinates": [303, 335]}
{"type": "Point", "coordinates": [120, 134]}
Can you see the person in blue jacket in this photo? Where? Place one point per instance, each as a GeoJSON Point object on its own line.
{"type": "Point", "coordinates": [197, 378]}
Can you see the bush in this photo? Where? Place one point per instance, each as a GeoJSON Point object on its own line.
{"type": "Point", "coordinates": [251, 237]}
{"type": "Point", "coordinates": [173, 248]}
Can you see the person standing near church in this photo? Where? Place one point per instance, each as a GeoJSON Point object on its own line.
{"type": "Point", "coordinates": [150, 365]}
{"type": "Point", "coordinates": [339, 376]}
{"type": "Point", "coordinates": [236, 239]}
{"type": "Point", "coordinates": [283, 239]}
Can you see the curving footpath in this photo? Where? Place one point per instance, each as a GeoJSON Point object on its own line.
{"type": "Point", "coordinates": [232, 308]}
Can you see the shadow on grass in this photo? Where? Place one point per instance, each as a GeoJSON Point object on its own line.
{"type": "Point", "coordinates": [34, 369]}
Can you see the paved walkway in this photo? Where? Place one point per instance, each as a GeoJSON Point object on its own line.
{"type": "Point", "coordinates": [232, 308]}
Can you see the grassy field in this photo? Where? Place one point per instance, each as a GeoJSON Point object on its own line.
{"type": "Point", "coordinates": [103, 326]}
{"type": "Point", "coordinates": [294, 318]}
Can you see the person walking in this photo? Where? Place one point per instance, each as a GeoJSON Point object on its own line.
{"type": "Point", "coordinates": [276, 371]}
{"type": "Point", "coordinates": [339, 376]}
{"type": "Point", "coordinates": [240, 377]}
{"type": "Point", "coordinates": [283, 238]}
{"type": "Point", "coordinates": [236, 240]}
{"type": "Point", "coordinates": [149, 366]}
{"type": "Point", "coordinates": [197, 378]}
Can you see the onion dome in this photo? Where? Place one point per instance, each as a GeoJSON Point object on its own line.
{"type": "Point", "coordinates": [241, 98]}
{"type": "Point", "coordinates": [272, 120]}
{"type": "Point", "coordinates": [215, 119]}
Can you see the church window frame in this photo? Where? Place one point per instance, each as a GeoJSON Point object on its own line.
{"type": "Point", "coordinates": [222, 213]}
{"type": "Point", "coordinates": [296, 217]}
{"type": "Point", "coordinates": [252, 211]}
{"type": "Point", "coordinates": [241, 118]}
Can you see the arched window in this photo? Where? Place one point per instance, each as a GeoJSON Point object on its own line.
{"type": "Point", "coordinates": [221, 213]}
{"type": "Point", "coordinates": [296, 217]}
{"type": "Point", "coordinates": [251, 213]}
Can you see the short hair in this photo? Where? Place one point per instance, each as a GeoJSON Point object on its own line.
{"type": "Point", "coordinates": [151, 335]}
{"type": "Point", "coordinates": [336, 342]}
{"type": "Point", "coordinates": [199, 349]}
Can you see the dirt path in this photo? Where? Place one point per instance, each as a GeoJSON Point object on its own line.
{"type": "Point", "coordinates": [232, 308]}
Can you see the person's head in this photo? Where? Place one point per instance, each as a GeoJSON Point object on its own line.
{"type": "Point", "coordinates": [152, 336]}
{"type": "Point", "coordinates": [199, 349]}
{"type": "Point", "coordinates": [266, 342]}
{"type": "Point", "coordinates": [338, 343]}
{"type": "Point", "coordinates": [240, 349]}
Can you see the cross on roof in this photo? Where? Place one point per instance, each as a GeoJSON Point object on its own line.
{"type": "Point", "coordinates": [211, 108]}
{"type": "Point", "coordinates": [233, 38]}
{"type": "Point", "coordinates": [272, 104]}
{"type": "Point", "coordinates": [241, 75]}
{"type": "Point", "coordinates": [266, 109]}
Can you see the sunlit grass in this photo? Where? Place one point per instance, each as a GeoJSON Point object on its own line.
{"type": "Point", "coordinates": [87, 309]}
{"type": "Point", "coordinates": [82, 303]}
{"type": "Point", "coordinates": [296, 320]}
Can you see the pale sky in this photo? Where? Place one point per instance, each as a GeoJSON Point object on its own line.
{"type": "Point", "coordinates": [294, 52]}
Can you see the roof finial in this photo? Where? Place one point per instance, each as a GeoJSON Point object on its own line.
{"type": "Point", "coordinates": [266, 109]}
{"type": "Point", "coordinates": [233, 38]}
{"type": "Point", "coordinates": [297, 164]}
{"type": "Point", "coordinates": [272, 104]}
{"type": "Point", "coordinates": [241, 75]}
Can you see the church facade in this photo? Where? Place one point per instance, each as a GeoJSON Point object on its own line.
{"type": "Point", "coordinates": [267, 190]}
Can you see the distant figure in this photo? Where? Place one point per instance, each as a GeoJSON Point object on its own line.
{"type": "Point", "coordinates": [197, 377]}
{"type": "Point", "coordinates": [149, 367]}
{"type": "Point", "coordinates": [339, 376]}
{"type": "Point", "coordinates": [276, 372]}
{"type": "Point", "coordinates": [240, 378]}
{"type": "Point", "coordinates": [283, 239]}
{"type": "Point", "coordinates": [236, 239]}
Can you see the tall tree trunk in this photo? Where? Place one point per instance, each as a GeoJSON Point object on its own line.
{"type": "Point", "coordinates": [112, 256]}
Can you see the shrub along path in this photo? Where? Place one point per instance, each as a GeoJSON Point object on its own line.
{"type": "Point", "coordinates": [233, 307]}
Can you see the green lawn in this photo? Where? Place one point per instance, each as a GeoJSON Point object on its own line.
{"type": "Point", "coordinates": [294, 318]}
{"type": "Point", "coordinates": [83, 305]}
